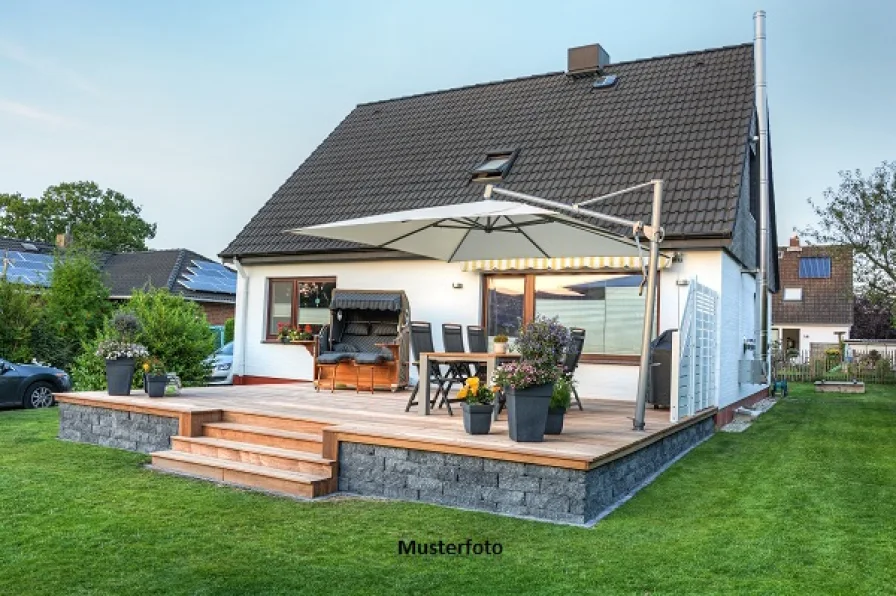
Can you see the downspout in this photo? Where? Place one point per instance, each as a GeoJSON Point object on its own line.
{"type": "Point", "coordinates": [762, 119]}
{"type": "Point", "coordinates": [243, 315]}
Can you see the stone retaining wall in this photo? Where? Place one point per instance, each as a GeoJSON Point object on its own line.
{"type": "Point", "coordinates": [116, 428]}
{"type": "Point", "coordinates": [543, 492]}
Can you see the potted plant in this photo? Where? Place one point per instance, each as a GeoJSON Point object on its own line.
{"type": "Point", "coordinates": [296, 336]}
{"type": "Point", "coordinates": [156, 378]}
{"type": "Point", "coordinates": [560, 399]}
{"type": "Point", "coordinates": [477, 406]}
{"type": "Point", "coordinates": [119, 350]}
{"type": "Point", "coordinates": [500, 344]}
{"type": "Point", "coordinates": [529, 383]}
{"type": "Point", "coordinates": [283, 331]}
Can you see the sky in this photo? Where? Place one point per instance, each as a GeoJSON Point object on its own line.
{"type": "Point", "coordinates": [200, 110]}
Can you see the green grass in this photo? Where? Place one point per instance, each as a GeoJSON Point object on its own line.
{"type": "Point", "coordinates": [803, 502]}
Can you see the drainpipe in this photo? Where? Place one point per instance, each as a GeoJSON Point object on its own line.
{"type": "Point", "coordinates": [243, 313]}
{"type": "Point", "coordinates": [762, 113]}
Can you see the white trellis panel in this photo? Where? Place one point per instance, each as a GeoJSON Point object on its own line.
{"type": "Point", "coordinates": [696, 353]}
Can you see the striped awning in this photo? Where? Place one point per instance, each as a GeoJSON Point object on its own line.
{"type": "Point", "coordinates": [563, 264]}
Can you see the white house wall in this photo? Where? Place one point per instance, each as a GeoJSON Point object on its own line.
{"type": "Point", "coordinates": [810, 334]}
{"type": "Point", "coordinates": [428, 285]}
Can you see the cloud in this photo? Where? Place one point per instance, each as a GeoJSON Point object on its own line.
{"type": "Point", "coordinates": [21, 110]}
{"type": "Point", "coordinates": [18, 54]}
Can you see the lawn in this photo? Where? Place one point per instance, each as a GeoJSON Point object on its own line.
{"type": "Point", "coordinates": [802, 502]}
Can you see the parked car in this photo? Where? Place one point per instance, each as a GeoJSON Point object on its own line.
{"type": "Point", "coordinates": [31, 385]}
{"type": "Point", "coordinates": [222, 366]}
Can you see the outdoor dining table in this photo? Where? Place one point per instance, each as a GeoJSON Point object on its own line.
{"type": "Point", "coordinates": [490, 359]}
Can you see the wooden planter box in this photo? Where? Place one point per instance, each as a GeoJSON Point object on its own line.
{"type": "Point", "coordinates": [839, 387]}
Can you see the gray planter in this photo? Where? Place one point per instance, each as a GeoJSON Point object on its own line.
{"type": "Point", "coordinates": [477, 418]}
{"type": "Point", "coordinates": [527, 412]}
{"type": "Point", "coordinates": [554, 425]}
{"type": "Point", "coordinates": [120, 375]}
{"type": "Point", "coordinates": [155, 385]}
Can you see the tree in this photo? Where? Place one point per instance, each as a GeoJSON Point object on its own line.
{"type": "Point", "coordinates": [103, 220]}
{"type": "Point", "coordinates": [75, 306]}
{"type": "Point", "coordinates": [861, 216]}
{"type": "Point", "coordinates": [19, 310]}
{"type": "Point", "coordinates": [872, 319]}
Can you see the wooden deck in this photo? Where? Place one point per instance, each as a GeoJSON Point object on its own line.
{"type": "Point", "coordinates": [591, 438]}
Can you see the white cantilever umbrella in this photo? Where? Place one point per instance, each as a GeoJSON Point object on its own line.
{"type": "Point", "coordinates": [486, 229]}
{"type": "Point", "coordinates": [492, 229]}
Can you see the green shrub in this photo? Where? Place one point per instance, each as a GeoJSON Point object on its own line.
{"type": "Point", "coordinates": [228, 330]}
{"type": "Point", "coordinates": [176, 331]}
{"type": "Point", "coordinates": [89, 370]}
{"type": "Point", "coordinates": [19, 312]}
{"type": "Point", "coordinates": [76, 306]}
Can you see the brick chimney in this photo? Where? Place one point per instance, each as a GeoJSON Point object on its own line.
{"type": "Point", "coordinates": [794, 244]}
{"type": "Point", "coordinates": [64, 240]}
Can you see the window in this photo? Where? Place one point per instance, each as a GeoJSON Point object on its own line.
{"type": "Point", "coordinates": [815, 267]}
{"type": "Point", "coordinates": [607, 306]}
{"type": "Point", "coordinates": [793, 294]}
{"type": "Point", "coordinates": [496, 166]}
{"type": "Point", "coordinates": [298, 302]}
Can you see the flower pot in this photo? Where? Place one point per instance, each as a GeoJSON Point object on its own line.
{"type": "Point", "coordinates": [120, 375]}
{"type": "Point", "coordinates": [527, 412]}
{"type": "Point", "coordinates": [477, 418]}
{"type": "Point", "coordinates": [155, 385]}
{"type": "Point", "coordinates": [554, 424]}
{"type": "Point", "coordinates": [500, 347]}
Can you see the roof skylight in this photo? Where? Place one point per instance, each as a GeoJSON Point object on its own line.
{"type": "Point", "coordinates": [495, 166]}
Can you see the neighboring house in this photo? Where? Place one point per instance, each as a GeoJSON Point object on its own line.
{"type": "Point", "coordinates": [566, 136]}
{"type": "Point", "coordinates": [815, 304]}
{"type": "Point", "coordinates": [196, 278]}
{"type": "Point", "coordinates": [181, 271]}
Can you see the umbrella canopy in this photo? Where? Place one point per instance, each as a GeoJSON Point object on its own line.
{"type": "Point", "coordinates": [482, 230]}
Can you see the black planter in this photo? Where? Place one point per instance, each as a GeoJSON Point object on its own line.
{"type": "Point", "coordinates": [155, 385]}
{"type": "Point", "coordinates": [477, 418]}
{"type": "Point", "coordinates": [554, 425]}
{"type": "Point", "coordinates": [527, 412]}
{"type": "Point", "coordinates": [120, 375]}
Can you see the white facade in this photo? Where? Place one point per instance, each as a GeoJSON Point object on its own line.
{"type": "Point", "coordinates": [429, 286]}
{"type": "Point", "coordinates": [810, 334]}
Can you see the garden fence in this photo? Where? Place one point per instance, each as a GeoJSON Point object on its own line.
{"type": "Point", "coordinates": [828, 365]}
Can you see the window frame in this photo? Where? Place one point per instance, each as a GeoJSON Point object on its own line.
{"type": "Point", "coordinates": [799, 298]}
{"type": "Point", "coordinates": [294, 305]}
{"type": "Point", "coordinates": [529, 306]}
{"type": "Point", "coordinates": [478, 174]}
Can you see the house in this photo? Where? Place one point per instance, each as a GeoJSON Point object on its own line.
{"type": "Point", "coordinates": [592, 129]}
{"type": "Point", "coordinates": [815, 306]}
{"type": "Point", "coordinates": [184, 272]}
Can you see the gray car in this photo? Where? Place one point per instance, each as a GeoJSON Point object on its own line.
{"type": "Point", "coordinates": [222, 366]}
{"type": "Point", "coordinates": [31, 385]}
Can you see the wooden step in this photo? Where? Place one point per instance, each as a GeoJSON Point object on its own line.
{"type": "Point", "coordinates": [296, 484]}
{"type": "Point", "coordinates": [274, 421]}
{"type": "Point", "coordinates": [259, 435]}
{"type": "Point", "coordinates": [255, 454]}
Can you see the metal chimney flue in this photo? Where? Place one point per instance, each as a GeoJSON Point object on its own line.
{"type": "Point", "coordinates": [762, 121]}
{"type": "Point", "coordinates": [586, 59]}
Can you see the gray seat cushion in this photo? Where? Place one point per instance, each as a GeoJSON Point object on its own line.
{"type": "Point", "coordinates": [333, 357]}
{"type": "Point", "coordinates": [372, 358]}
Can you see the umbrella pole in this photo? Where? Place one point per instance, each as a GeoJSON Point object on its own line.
{"type": "Point", "coordinates": [649, 306]}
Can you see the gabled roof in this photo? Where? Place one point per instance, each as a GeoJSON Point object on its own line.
{"type": "Point", "coordinates": [825, 300]}
{"type": "Point", "coordinates": [684, 118]}
{"type": "Point", "coordinates": [127, 272]}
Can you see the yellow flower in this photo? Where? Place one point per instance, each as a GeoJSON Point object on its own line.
{"type": "Point", "coordinates": [146, 367]}
{"type": "Point", "coordinates": [462, 394]}
{"type": "Point", "coordinates": [495, 389]}
{"type": "Point", "coordinates": [473, 382]}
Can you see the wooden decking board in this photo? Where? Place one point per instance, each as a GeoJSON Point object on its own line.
{"type": "Point", "coordinates": [597, 435]}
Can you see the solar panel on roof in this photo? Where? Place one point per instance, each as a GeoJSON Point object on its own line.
{"type": "Point", "coordinates": [205, 276]}
{"type": "Point", "coordinates": [29, 246]}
